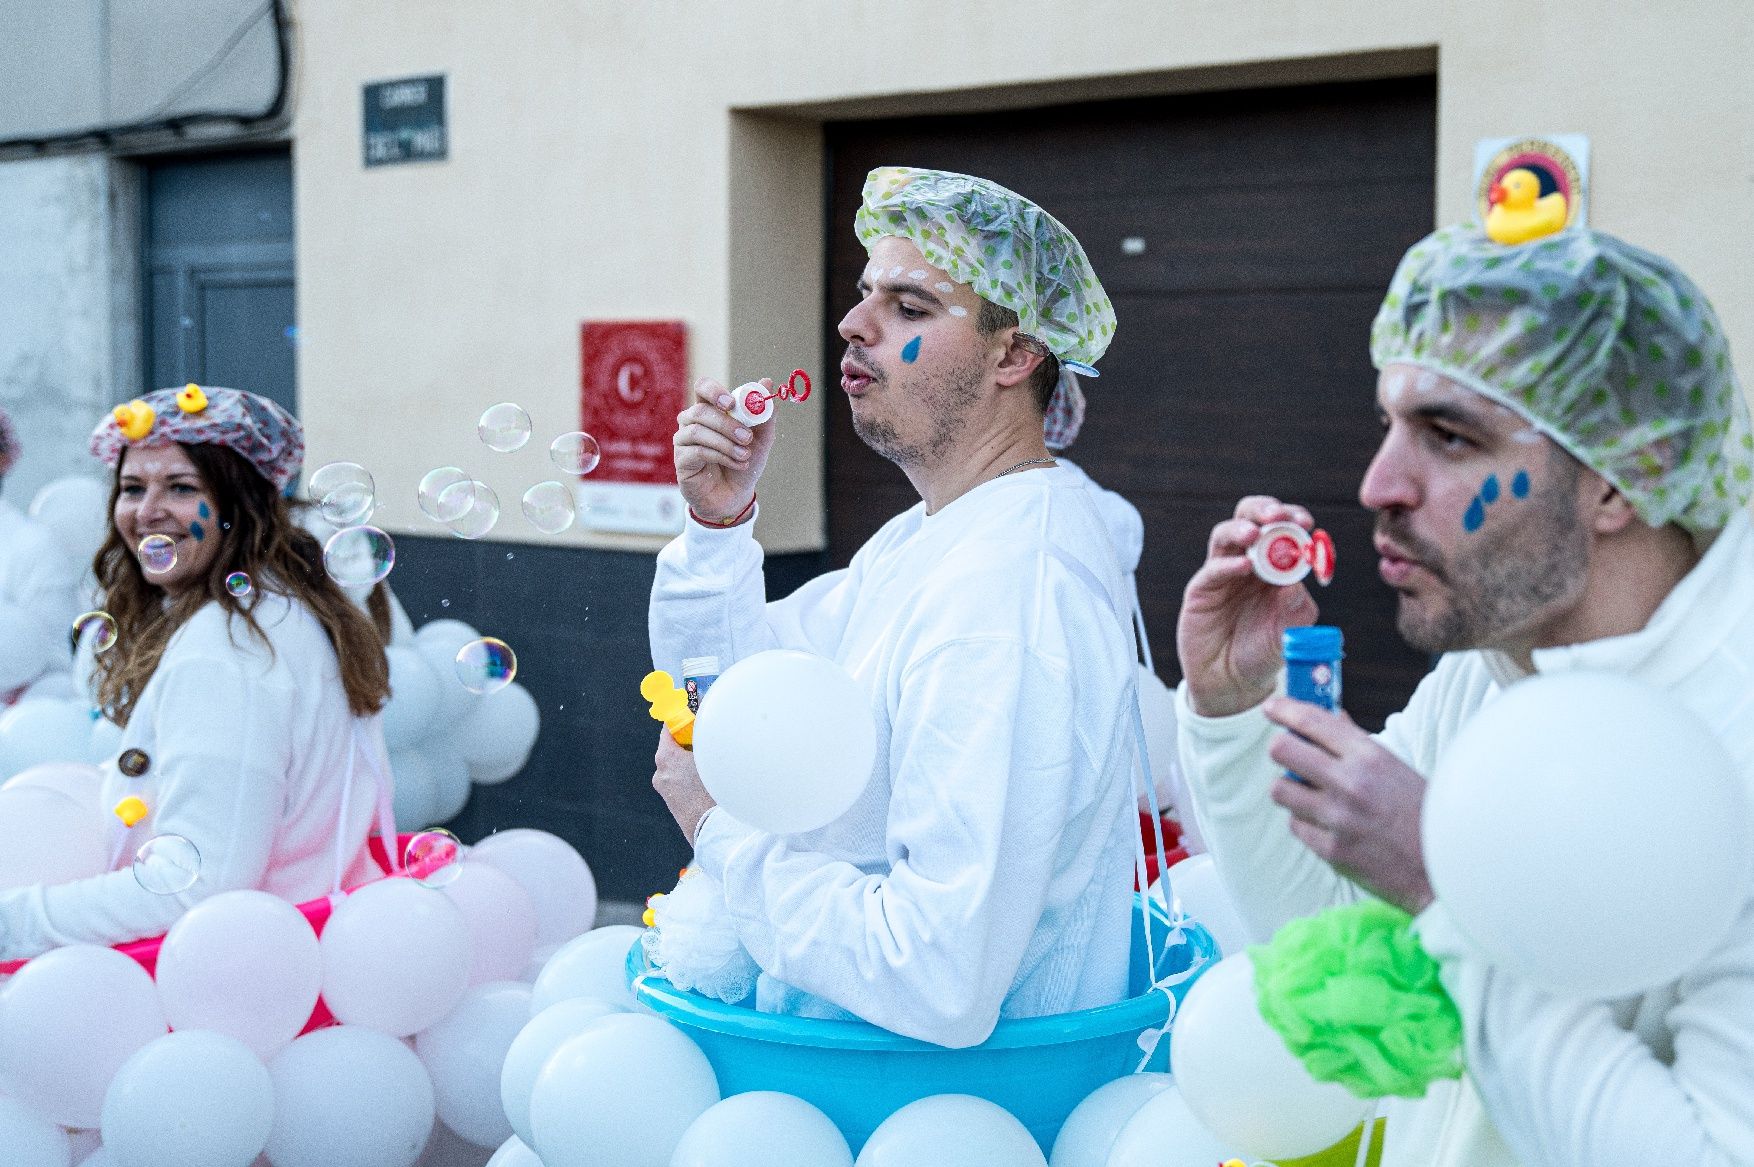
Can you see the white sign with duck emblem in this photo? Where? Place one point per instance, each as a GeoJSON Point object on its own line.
{"type": "Point", "coordinates": [1531, 186]}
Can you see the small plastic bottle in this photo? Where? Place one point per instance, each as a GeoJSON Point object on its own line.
{"type": "Point", "coordinates": [1284, 553]}
{"type": "Point", "coordinates": [698, 675]}
{"type": "Point", "coordinates": [1312, 667]}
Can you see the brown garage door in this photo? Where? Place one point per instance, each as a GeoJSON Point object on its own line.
{"type": "Point", "coordinates": [1271, 221]}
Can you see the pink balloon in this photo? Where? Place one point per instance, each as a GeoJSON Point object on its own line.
{"type": "Point", "coordinates": [68, 1020]}
{"type": "Point", "coordinates": [79, 781]}
{"type": "Point", "coordinates": [501, 918]}
{"type": "Point", "coordinates": [50, 838]}
{"type": "Point", "coordinates": [245, 964]}
{"type": "Point", "coordinates": [395, 957]}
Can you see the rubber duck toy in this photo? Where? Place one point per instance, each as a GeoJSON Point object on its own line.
{"type": "Point", "coordinates": [130, 810]}
{"type": "Point", "coordinates": [134, 419]}
{"type": "Point", "coordinates": [1520, 212]}
{"type": "Point", "coordinates": [670, 706]}
{"type": "Point", "coordinates": [191, 399]}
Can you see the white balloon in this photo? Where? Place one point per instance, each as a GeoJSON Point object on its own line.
{"type": "Point", "coordinates": [450, 783]}
{"type": "Point", "coordinates": [1200, 892]}
{"type": "Point", "coordinates": [395, 957]}
{"type": "Point", "coordinates": [438, 642]}
{"type": "Point", "coordinates": [242, 963]}
{"type": "Point", "coordinates": [593, 965]}
{"type": "Point", "coordinates": [349, 1097]}
{"type": "Point", "coordinates": [30, 1140]}
{"type": "Point", "coordinates": [951, 1128]}
{"type": "Point", "coordinates": [1551, 849]}
{"type": "Point", "coordinates": [412, 711]}
{"type": "Point", "coordinates": [1092, 1127]}
{"type": "Point", "coordinates": [72, 1016]}
{"type": "Point", "coordinates": [546, 1032]}
{"type": "Point", "coordinates": [552, 872]}
{"type": "Point", "coordinates": [189, 1099]}
{"type": "Point", "coordinates": [415, 789]}
{"type": "Point", "coordinates": [499, 733]}
{"type": "Point", "coordinates": [785, 741]}
{"type": "Point", "coordinates": [80, 781]}
{"type": "Point", "coordinates": [42, 729]}
{"type": "Point", "coordinates": [1165, 1133]}
{"type": "Point", "coordinates": [762, 1128]}
{"type": "Point", "coordinates": [465, 1053]}
{"type": "Point", "coordinates": [514, 1153]}
{"type": "Point", "coordinates": [50, 838]}
{"type": "Point", "coordinates": [622, 1092]}
{"type": "Point", "coordinates": [1157, 713]}
{"type": "Point", "coordinates": [27, 648]}
{"type": "Point", "coordinates": [1240, 1080]}
{"type": "Point", "coordinates": [502, 921]}
{"type": "Point", "coordinates": [102, 1158]}
{"type": "Point", "coordinates": [75, 511]}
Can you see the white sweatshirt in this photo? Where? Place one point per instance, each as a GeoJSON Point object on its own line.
{"type": "Point", "coordinates": [985, 871]}
{"type": "Point", "coordinates": [248, 751]}
{"type": "Point", "coordinates": [1665, 1077]}
{"type": "Point", "coordinates": [40, 594]}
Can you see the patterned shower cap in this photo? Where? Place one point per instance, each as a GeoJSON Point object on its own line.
{"type": "Point", "coordinates": [259, 431]}
{"type": "Point", "coordinates": [10, 448]}
{"type": "Point", "coordinates": [1607, 349]}
{"type": "Point", "coordinates": [1011, 252]}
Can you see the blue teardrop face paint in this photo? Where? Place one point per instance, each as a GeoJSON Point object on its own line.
{"type": "Point", "coordinates": [1489, 490]}
{"type": "Point", "coordinates": [204, 512]}
{"type": "Point", "coordinates": [1476, 516]}
{"type": "Point", "coordinates": [1519, 486]}
{"type": "Point", "coordinates": [910, 352]}
{"type": "Point", "coordinates": [196, 530]}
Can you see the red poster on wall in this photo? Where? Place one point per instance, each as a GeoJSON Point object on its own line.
{"type": "Point", "coordinates": [633, 382]}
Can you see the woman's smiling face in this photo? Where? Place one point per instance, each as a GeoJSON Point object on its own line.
{"type": "Point", "coordinates": [161, 493]}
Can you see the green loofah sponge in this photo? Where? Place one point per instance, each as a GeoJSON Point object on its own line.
{"type": "Point", "coordinates": [1359, 1002]}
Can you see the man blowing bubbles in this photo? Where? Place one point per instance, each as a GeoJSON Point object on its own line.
{"type": "Point", "coordinates": [1562, 483]}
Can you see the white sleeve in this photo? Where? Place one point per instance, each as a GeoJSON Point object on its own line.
{"type": "Point", "coordinates": [985, 756]}
{"type": "Point", "coordinates": [1566, 1086]}
{"type": "Point", "coordinates": [709, 598]}
{"type": "Point", "coordinates": [219, 761]}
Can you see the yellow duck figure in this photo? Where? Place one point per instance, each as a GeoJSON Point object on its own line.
{"type": "Point", "coordinates": [191, 399]}
{"type": "Point", "coordinates": [1520, 212]}
{"type": "Point", "coordinates": [670, 706]}
{"type": "Point", "coordinates": [134, 419]}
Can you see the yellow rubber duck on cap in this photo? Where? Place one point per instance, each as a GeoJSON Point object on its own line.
{"type": "Point", "coordinates": [670, 706]}
{"type": "Point", "coordinates": [134, 419]}
{"type": "Point", "coordinates": [1520, 212]}
{"type": "Point", "coordinates": [191, 399]}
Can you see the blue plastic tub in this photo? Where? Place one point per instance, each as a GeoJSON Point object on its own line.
{"type": "Point", "coordinates": [1038, 1068]}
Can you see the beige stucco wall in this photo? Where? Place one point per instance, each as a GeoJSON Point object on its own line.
{"type": "Point", "coordinates": [663, 159]}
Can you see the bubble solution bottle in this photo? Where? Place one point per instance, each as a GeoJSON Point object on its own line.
{"type": "Point", "coordinates": [1312, 667]}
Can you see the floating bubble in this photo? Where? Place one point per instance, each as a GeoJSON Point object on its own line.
{"type": "Point", "coordinates": [358, 557]}
{"type": "Point", "coordinates": [478, 512]}
{"type": "Point", "coordinates": [158, 554]}
{"type": "Point", "coordinates": [575, 453]}
{"type": "Point", "coordinates": [167, 865]}
{"type": "Point", "coordinates": [486, 665]}
{"type": "Point", "coordinates": [344, 492]}
{"type": "Point", "coordinates": [99, 626]}
{"type": "Point", "coordinates": [238, 584]}
{"type": "Point", "coordinates": [433, 487]}
{"type": "Point", "coordinates": [433, 857]}
{"type": "Point", "coordinates": [504, 427]}
{"type": "Point", "coordinates": [549, 507]}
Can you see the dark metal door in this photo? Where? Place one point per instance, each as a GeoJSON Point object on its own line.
{"type": "Point", "coordinates": [219, 274]}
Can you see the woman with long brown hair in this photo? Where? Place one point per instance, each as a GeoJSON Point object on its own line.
{"type": "Point", "coordinates": [248, 685]}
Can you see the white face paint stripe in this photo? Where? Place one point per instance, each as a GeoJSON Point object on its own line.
{"type": "Point", "coordinates": [946, 287]}
{"type": "Point", "coordinates": [916, 275]}
{"type": "Point", "coordinates": [958, 310]}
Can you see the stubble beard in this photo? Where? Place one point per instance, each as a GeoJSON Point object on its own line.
{"type": "Point", "coordinates": [947, 398]}
{"type": "Point", "coordinates": [1506, 582]}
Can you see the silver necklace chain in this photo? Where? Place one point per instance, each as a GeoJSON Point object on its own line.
{"type": "Point", "coordinates": [1048, 461]}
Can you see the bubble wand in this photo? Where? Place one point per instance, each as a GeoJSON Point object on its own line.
{"type": "Point", "coordinates": [750, 402]}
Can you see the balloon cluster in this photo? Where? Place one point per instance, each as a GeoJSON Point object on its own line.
{"type": "Point", "coordinates": [422, 977]}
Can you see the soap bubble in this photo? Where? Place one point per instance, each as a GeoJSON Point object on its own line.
{"type": "Point", "coordinates": [575, 453]}
{"type": "Point", "coordinates": [478, 510]}
{"type": "Point", "coordinates": [504, 427]}
{"type": "Point", "coordinates": [344, 492]}
{"type": "Point", "coordinates": [433, 857]}
{"type": "Point", "coordinates": [486, 665]}
{"type": "Point", "coordinates": [358, 557]}
{"type": "Point", "coordinates": [238, 584]}
{"type": "Point", "coordinates": [433, 487]}
{"type": "Point", "coordinates": [167, 865]}
{"type": "Point", "coordinates": [158, 554]}
{"type": "Point", "coordinates": [100, 626]}
{"type": "Point", "coordinates": [549, 507]}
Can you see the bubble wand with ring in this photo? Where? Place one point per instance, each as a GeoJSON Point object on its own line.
{"type": "Point", "coordinates": [749, 403]}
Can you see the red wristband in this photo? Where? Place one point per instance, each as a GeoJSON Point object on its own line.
{"type": "Point", "coordinates": [730, 522]}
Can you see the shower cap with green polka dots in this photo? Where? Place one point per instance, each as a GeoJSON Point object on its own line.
{"type": "Point", "coordinates": [1607, 349]}
{"type": "Point", "coordinates": [1010, 251]}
